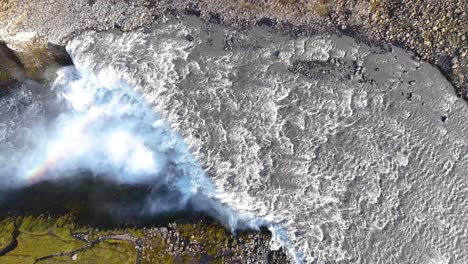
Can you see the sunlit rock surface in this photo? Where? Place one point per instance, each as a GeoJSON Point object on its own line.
{"type": "Point", "coordinates": [360, 153]}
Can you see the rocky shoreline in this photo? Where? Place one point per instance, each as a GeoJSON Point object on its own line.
{"type": "Point", "coordinates": [63, 240]}
{"type": "Point", "coordinates": [436, 31]}
{"type": "Point", "coordinates": [83, 229]}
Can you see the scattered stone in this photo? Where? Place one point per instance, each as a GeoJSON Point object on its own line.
{"type": "Point", "coordinates": [189, 38]}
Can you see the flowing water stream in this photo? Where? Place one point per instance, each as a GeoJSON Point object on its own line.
{"type": "Point", "coordinates": [351, 154]}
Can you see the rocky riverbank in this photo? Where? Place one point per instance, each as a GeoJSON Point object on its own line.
{"type": "Point", "coordinates": [66, 222]}
{"type": "Point", "coordinates": [435, 30]}
{"type": "Point", "coordinates": [60, 239]}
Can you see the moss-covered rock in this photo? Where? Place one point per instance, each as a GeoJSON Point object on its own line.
{"type": "Point", "coordinates": [40, 61]}
{"type": "Point", "coordinates": [33, 59]}
{"type": "Point", "coordinates": [45, 239]}
{"type": "Point", "coordinates": [5, 78]}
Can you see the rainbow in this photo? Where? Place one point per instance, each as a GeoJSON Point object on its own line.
{"type": "Point", "coordinates": [37, 173]}
{"type": "Point", "coordinates": [64, 146]}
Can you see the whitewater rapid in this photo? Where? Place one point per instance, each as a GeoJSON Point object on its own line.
{"type": "Point", "coordinates": [103, 127]}
{"type": "Point", "coordinates": [358, 153]}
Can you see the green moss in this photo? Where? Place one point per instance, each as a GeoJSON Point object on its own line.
{"type": "Point", "coordinates": [38, 246]}
{"type": "Point", "coordinates": [41, 236]}
{"type": "Point", "coordinates": [17, 260]}
{"type": "Point", "coordinates": [138, 233]}
{"type": "Point", "coordinates": [211, 232]}
{"type": "Point", "coordinates": [111, 251]}
{"type": "Point", "coordinates": [36, 225]}
{"type": "Point", "coordinates": [4, 77]}
{"type": "Point", "coordinates": [7, 226]}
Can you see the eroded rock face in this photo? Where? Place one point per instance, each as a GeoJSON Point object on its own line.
{"type": "Point", "coordinates": [35, 60]}
{"type": "Point", "coordinates": [360, 153]}
{"type": "Point", "coordinates": [23, 52]}
{"type": "Point", "coordinates": [8, 67]}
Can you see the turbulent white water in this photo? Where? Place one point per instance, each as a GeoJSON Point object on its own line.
{"type": "Point", "coordinates": [359, 153]}
{"type": "Point", "coordinates": [103, 127]}
{"type": "Point", "coordinates": [343, 144]}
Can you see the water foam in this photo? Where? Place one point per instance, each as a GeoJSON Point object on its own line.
{"type": "Point", "coordinates": [321, 138]}
{"type": "Point", "coordinates": [106, 128]}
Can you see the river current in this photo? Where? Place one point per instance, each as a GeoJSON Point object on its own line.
{"type": "Point", "coordinates": [358, 153]}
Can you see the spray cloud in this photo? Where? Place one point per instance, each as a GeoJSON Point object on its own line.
{"type": "Point", "coordinates": [106, 128]}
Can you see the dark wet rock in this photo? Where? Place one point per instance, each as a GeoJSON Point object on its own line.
{"type": "Point", "coordinates": [59, 55]}
{"type": "Point", "coordinates": [265, 22]}
{"type": "Point", "coordinates": [189, 38]}
{"type": "Point", "coordinates": [10, 65]}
